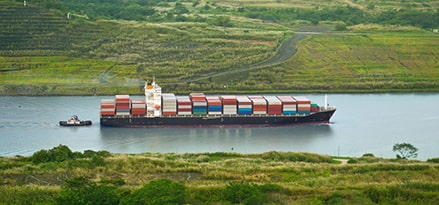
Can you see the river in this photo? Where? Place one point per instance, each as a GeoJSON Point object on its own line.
{"type": "Point", "coordinates": [363, 123]}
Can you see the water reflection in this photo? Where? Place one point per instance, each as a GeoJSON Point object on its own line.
{"type": "Point", "coordinates": [181, 140]}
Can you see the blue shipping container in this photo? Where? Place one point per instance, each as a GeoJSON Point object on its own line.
{"type": "Point", "coordinates": [304, 112]}
{"type": "Point", "coordinates": [245, 111]}
{"type": "Point", "coordinates": [215, 108]}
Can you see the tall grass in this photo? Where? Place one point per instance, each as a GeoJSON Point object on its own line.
{"type": "Point", "coordinates": [300, 177]}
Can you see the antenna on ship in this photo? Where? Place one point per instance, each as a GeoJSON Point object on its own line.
{"type": "Point", "coordinates": [326, 101]}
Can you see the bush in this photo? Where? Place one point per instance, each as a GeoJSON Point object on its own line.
{"type": "Point", "coordinates": [243, 193]}
{"type": "Point", "coordinates": [368, 155]}
{"type": "Point", "coordinates": [62, 153]}
{"type": "Point", "coordinates": [158, 192]}
{"type": "Point", "coordinates": [296, 157]}
{"type": "Point", "coordinates": [83, 191]}
{"type": "Point", "coordinates": [433, 160]}
{"type": "Point", "coordinates": [57, 154]}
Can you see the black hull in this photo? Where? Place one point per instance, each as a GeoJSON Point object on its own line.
{"type": "Point", "coordinates": [217, 121]}
{"type": "Point", "coordinates": [82, 123]}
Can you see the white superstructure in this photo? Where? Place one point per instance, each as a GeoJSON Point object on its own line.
{"type": "Point", "coordinates": [153, 99]}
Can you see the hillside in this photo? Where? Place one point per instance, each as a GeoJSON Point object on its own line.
{"type": "Point", "coordinates": [215, 178]}
{"type": "Point", "coordinates": [202, 46]}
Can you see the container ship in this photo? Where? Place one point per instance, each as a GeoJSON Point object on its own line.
{"type": "Point", "coordinates": [159, 109]}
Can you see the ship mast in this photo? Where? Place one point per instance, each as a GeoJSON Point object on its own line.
{"type": "Point", "coordinates": [326, 101]}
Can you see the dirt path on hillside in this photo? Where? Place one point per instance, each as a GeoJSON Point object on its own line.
{"type": "Point", "coordinates": [286, 51]}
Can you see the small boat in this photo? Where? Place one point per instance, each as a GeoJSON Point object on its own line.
{"type": "Point", "coordinates": [74, 121]}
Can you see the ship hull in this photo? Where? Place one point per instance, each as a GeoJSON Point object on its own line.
{"type": "Point", "coordinates": [217, 121]}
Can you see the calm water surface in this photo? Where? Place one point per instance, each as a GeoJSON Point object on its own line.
{"type": "Point", "coordinates": [363, 123]}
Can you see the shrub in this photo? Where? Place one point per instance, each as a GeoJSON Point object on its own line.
{"type": "Point", "coordinates": [296, 157]}
{"type": "Point", "coordinates": [83, 191]}
{"type": "Point", "coordinates": [433, 160]}
{"type": "Point", "coordinates": [57, 154]}
{"type": "Point", "coordinates": [157, 192]}
{"type": "Point", "coordinates": [368, 155]}
{"type": "Point", "coordinates": [62, 153]}
{"type": "Point", "coordinates": [41, 156]}
{"type": "Point", "coordinates": [243, 193]}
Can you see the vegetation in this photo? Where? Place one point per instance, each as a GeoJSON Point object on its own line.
{"type": "Point", "coordinates": [405, 150]}
{"type": "Point", "coordinates": [65, 47]}
{"type": "Point", "coordinates": [216, 178]}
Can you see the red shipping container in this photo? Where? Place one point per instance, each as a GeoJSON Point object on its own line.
{"type": "Point", "coordinates": [228, 100]}
{"type": "Point", "coordinates": [287, 100]}
{"type": "Point", "coordinates": [197, 96]}
{"type": "Point", "coordinates": [107, 106]}
{"type": "Point", "coordinates": [169, 113]}
{"type": "Point", "coordinates": [274, 109]}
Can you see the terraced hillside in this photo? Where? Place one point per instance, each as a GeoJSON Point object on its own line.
{"type": "Point", "coordinates": [215, 44]}
{"type": "Point", "coordinates": [28, 31]}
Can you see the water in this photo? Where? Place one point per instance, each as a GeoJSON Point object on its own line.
{"type": "Point", "coordinates": [363, 123]}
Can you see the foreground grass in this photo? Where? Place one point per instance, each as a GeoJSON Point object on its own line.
{"type": "Point", "coordinates": [304, 178]}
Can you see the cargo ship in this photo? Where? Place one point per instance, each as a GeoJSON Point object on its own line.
{"type": "Point", "coordinates": [159, 109]}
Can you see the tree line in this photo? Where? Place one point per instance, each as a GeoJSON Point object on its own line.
{"type": "Point", "coordinates": [145, 10]}
{"type": "Point", "coordinates": [347, 14]}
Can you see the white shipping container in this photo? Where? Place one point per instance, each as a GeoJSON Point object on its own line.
{"type": "Point", "coordinates": [185, 106]}
{"type": "Point", "coordinates": [122, 113]}
{"type": "Point", "coordinates": [245, 106]}
{"type": "Point", "coordinates": [259, 102]}
{"type": "Point", "coordinates": [107, 101]}
{"type": "Point", "coordinates": [138, 106]}
{"type": "Point", "coordinates": [199, 103]}
{"type": "Point", "coordinates": [273, 100]}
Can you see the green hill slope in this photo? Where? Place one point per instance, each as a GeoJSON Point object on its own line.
{"type": "Point", "coordinates": [202, 46]}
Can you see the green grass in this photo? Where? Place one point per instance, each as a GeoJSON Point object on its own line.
{"type": "Point", "coordinates": [302, 177]}
{"type": "Point", "coordinates": [56, 56]}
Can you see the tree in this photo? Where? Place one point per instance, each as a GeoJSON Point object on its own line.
{"type": "Point", "coordinates": [405, 150]}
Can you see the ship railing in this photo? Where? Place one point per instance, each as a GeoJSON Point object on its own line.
{"type": "Point", "coordinates": [323, 109]}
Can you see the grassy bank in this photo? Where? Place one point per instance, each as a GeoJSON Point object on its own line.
{"type": "Point", "coordinates": [281, 177]}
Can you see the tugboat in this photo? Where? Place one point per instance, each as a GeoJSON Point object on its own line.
{"type": "Point", "coordinates": [74, 121]}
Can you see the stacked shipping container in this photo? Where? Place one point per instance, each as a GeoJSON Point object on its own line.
{"type": "Point", "coordinates": [314, 108]}
{"type": "Point", "coordinates": [259, 104]}
{"type": "Point", "coordinates": [229, 105]}
{"type": "Point", "coordinates": [138, 107]}
{"type": "Point", "coordinates": [244, 106]}
{"type": "Point", "coordinates": [107, 107]}
{"type": "Point", "coordinates": [274, 105]}
{"type": "Point", "coordinates": [169, 104]}
{"type": "Point", "coordinates": [123, 105]}
{"type": "Point", "coordinates": [184, 106]}
{"type": "Point", "coordinates": [214, 106]}
{"type": "Point", "coordinates": [303, 105]}
{"type": "Point", "coordinates": [199, 104]}
{"type": "Point", "coordinates": [289, 105]}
